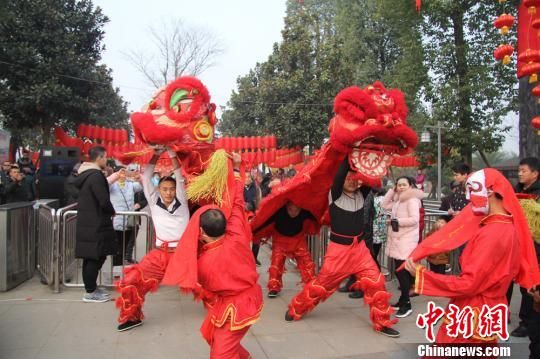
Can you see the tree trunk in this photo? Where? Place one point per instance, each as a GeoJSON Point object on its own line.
{"type": "Point", "coordinates": [529, 140]}
{"type": "Point", "coordinates": [484, 158]}
{"type": "Point", "coordinates": [463, 90]}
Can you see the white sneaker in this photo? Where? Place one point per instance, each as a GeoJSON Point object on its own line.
{"type": "Point", "coordinates": [95, 297]}
{"type": "Point", "coordinates": [103, 291]}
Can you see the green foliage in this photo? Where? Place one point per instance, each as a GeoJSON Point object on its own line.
{"type": "Point", "coordinates": [442, 59]}
{"type": "Point", "coordinates": [50, 73]}
{"type": "Point", "coordinates": [326, 46]}
{"type": "Point", "coordinates": [470, 93]}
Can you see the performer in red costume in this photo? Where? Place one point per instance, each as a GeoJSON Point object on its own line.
{"type": "Point", "coordinates": [498, 249]}
{"type": "Point", "coordinates": [215, 263]}
{"type": "Point", "coordinates": [288, 228]}
{"type": "Point", "coordinates": [347, 254]}
{"type": "Point", "coordinates": [170, 214]}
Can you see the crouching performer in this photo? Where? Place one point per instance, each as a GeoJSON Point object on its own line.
{"type": "Point", "coordinates": [214, 262]}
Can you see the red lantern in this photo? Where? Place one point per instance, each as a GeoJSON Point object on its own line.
{"type": "Point", "coordinates": [529, 56]}
{"type": "Point", "coordinates": [243, 143]}
{"type": "Point", "coordinates": [80, 131]}
{"type": "Point", "coordinates": [251, 142]}
{"type": "Point", "coordinates": [86, 147]}
{"type": "Point", "coordinates": [531, 5]}
{"type": "Point", "coordinates": [504, 23]}
{"type": "Point", "coordinates": [91, 130]}
{"type": "Point", "coordinates": [531, 70]}
{"type": "Point", "coordinates": [503, 53]}
{"type": "Point", "coordinates": [116, 135]}
{"type": "Point", "coordinates": [102, 133]}
{"type": "Point", "coordinates": [226, 143]}
{"type": "Point", "coordinates": [536, 25]}
{"type": "Point", "coordinates": [536, 91]}
{"type": "Point", "coordinates": [273, 142]}
{"type": "Point", "coordinates": [258, 142]}
{"type": "Point", "coordinates": [124, 136]}
{"type": "Point", "coordinates": [536, 122]}
{"type": "Point", "coordinates": [109, 135]}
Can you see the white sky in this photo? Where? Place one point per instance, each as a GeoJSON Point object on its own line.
{"type": "Point", "coordinates": [246, 28]}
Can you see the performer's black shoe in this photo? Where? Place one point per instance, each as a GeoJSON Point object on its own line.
{"type": "Point", "coordinates": [346, 288]}
{"type": "Point", "coordinates": [273, 294]}
{"type": "Point", "coordinates": [129, 325]}
{"type": "Point", "coordinates": [288, 317]}
{"type": "Point", "coordinates": [389, 332]}
{"type": "Point", "coordinates": [520, 332]}
{"type": "Point", "coordinates": [404, 310]}
{"type": "Point", "coordinates": [357, 294]}
{"type": "Point", "coordinates": [396, 305]}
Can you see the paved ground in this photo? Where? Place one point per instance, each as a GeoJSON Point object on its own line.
{"type": "Point", "coordinates": [61, 326]}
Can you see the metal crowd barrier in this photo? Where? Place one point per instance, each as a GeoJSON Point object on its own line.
{"type": "Point", "coordinates": [46, 243]}
{"type": "Point", "coordinates": [17, 244]}
{"type": "Point", "coordinates": [71, 268]}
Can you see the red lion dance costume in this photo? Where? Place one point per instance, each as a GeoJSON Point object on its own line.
{"type": "Point", "coordinates": [288, 240]}
{"type": "Point", "coordinates": [369, 127]}
{"type": "Point", "coordinates": [499, 248]}
{"type": "Point", "coordinates": [223, 275]}
{"type": "Point", "coordinates": [181, 117]}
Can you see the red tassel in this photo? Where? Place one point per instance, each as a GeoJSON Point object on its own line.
{"type": "Point", "coordinates": [418, 5]}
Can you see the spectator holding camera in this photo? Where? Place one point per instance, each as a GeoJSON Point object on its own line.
{"type": "Point", "coordinates": [404, 202]}
{"type": "Point", "coordinates": [123, 187]}
{"type": "Point", "coordinates": [17, 189]}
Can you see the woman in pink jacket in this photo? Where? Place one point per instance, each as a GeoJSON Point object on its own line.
{"type": "Point", "coordinates": [403, 233]}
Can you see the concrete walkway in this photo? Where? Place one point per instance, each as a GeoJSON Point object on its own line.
{"type": "Point", "coordinates": [35, 323]}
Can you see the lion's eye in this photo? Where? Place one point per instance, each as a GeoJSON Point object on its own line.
{"type": "Point", "coordinates": [178, 96]}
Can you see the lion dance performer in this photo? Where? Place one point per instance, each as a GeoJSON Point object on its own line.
{"type": "Point", "coordinates": [498, 249]}
{"type": "Point", "coordinates": [181, 117]}
{"type": "Point", "coordinates": [368, 130]}
{"type": "Point", "coordinates": [288, 227]}
{"type": "Point", "coordinates": [215, 263]}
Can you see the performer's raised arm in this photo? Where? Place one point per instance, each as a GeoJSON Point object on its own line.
{"type": "Point", "coordinates": [236, 222]}
{"type": "Point", "coordinates": [180, 188]}
{"type": "Point", "coordinates": [476, 276]}
{"type": "Point", "coordinates": [339, 180]}
{"type": "Point", "coordinates": [148, 186]}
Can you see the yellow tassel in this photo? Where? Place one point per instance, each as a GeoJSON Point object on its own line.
{"type": "Point", "coordinates": [212, 184]}
{"type": "Point", "coordinates": [531, 209]}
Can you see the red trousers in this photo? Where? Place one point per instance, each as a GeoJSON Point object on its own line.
{"type": "Point", "coordinates": [292, 247]}
{"type": "Point", "coordinates": [138, 280]}
{"type": "Point", "coordinates": [225, 343]}
{"type": "Point", "coordinates": [340, 262]}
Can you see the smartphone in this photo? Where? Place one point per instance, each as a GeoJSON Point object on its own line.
{"type": "Point", "coordinates": [394, 224]}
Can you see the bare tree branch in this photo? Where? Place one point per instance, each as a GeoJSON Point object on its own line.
{"type": "Point", "coordinates": [177, 50]}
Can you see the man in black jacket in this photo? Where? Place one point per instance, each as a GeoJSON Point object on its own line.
{"type": "Point", "coordinates": [95, 232]}
{"type": "Point", "coordinates": [529, 183]}
{"type": "Point", "coordinates": [17, 189]}
{"type": "Point", "coordinates": [347, 253]}
{"type": "Point", "coordinates": [71, 192]}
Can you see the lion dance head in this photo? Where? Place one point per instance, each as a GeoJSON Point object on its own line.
{"type": "Point", "coordinates": [179, 115]}
{"type": "Point", "coordinates": [371, 125]}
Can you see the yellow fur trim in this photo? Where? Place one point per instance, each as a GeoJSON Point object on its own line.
{"type": "Point", "coordinates": [531, 209]}
{"type": "Point", "coordinates": [212, 184]}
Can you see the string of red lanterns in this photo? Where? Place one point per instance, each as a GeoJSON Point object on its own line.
{"type": "Point", "coordinates": [529, 58]}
